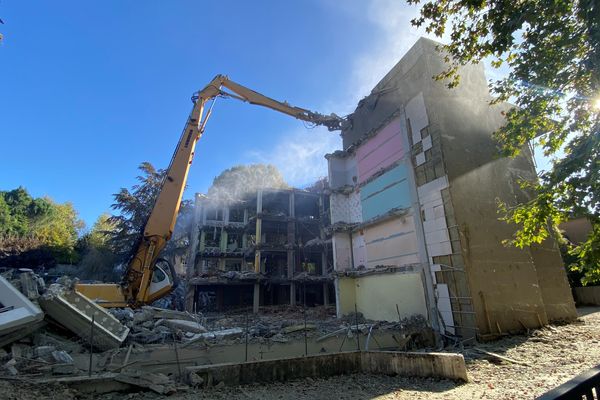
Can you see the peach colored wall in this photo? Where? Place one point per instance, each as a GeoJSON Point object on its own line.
{"type": "Point", "coordinates": [393, 242]}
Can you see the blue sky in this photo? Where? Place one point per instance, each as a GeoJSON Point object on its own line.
{"type": "Point", "coordinates": [89, 90]}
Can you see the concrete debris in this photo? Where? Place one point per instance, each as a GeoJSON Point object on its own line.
{"type": "Point", "coordinates": [145, 314]}
{"type": "Point", "coordinates": [44, 352]}
{"type": "Point", "coordinates": [59, 351]}
{"type": "Point", "coordinates": [16, 310]}
{"type": "Point", "coordinates": [301, 327]}
{"type": "Point", "coordinates": [161, 313]}
{"type": "Point", "coordinates": [63, 369]}
{"type": "Point", "coordinates": [183, 325]}
{"type": "Point", "coordinates": [157, 382]}
{"type": "Point", "coordinates": [62, 356]}
{"type": "Point", "coordinates": [194, 379]}
{"type": "Point", "coordinates": [79, 314]}
{"type": "Point", "coordinates": [217, 335]}
{"type": "Point", "coordinates": [10, 367]}
{"type": "Point", "coordinates": [217, 276]}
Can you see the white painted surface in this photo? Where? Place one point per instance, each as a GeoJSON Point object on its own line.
{"type": "Point", "coordinates": [359, 249]}
{"type": "Point", "coordinates": [417, 114]}
{"type": "Point", "coordinates": [24, 312]}
{"type": "Point", "coordinates": [434, 224]}
{"type": "Point", "coordinates": [345, 208]}
{"type": "Point", "coordinates": [427, 143]}
{"type": "Point", "coordinates": [393, 242]}
{"type": "Point", "coordinates": [342, 171]}
{"type": "Point", "coordinates": [444, 306]}
{"type": "Point", "coordinates": [342, 253]}
{"type": "Point", "coordinates": [420, 158]}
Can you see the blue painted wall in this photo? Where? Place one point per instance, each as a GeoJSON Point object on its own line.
{"type": "Point", "coordinates": [386, 192]}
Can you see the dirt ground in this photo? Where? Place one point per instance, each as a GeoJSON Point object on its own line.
{"type": "Point", "coordinates": [553, 355]}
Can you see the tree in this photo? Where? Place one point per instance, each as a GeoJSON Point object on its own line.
{"type": "Point", "coordinates": [552, 51]}
{"type": "Point", "coordinates": [234, 182]}
{"type": "Point", "coordinates": [59, 230]}
{"type": "Point", "coordinates": [134, 207]}
{"type": "Point", "coordinates": [99, 261]}
{"type": "Point", "coordinates": [38, 226]}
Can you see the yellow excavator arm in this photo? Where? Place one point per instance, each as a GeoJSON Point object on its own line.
{"type": "Point", "coordinates": [143, 282]}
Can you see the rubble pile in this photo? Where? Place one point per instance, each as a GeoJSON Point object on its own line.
{"type": "Point", "coordinates": [51, 333]}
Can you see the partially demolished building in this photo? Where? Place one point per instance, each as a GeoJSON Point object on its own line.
{"type": "Point", "coordinates": [414, 209]}
{"type": "Point", "coordinates": [268, 248]}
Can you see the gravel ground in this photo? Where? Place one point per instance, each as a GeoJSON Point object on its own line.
{"type": "Point", "coordinates": [554, 355]}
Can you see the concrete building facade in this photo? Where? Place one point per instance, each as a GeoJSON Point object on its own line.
{"type": "Point", "coordinates": [268, 248]}
{"type": "Point", "coordinates": [414, 196]}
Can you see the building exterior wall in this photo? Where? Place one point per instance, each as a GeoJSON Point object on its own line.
{"type": "Point", "coordinates": [380, 152]}
{"type": "Point", "coordinates": [393, 242]}
{"type": "Point", "coordinates": [428, 151]}
{"type": "Point", "coordinates": [346, 208]}
{"type": "Point", "coordinates": [385, 193]}
{"type": "Point", "coordinates": [376, 296]}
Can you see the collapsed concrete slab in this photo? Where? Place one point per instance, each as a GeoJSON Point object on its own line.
{"type": "Point", "coordinates": [74, 311]}
{"type": "Point", "coordinates": [17, 312]}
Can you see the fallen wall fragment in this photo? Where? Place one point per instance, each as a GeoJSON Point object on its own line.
{"type": "Point", "coordinates": [16, 311]}
{"type": "Point", "coordinates": [74, 311]}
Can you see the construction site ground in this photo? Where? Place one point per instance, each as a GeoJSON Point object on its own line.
{"type": "Point", "coordinates": [541, 361]}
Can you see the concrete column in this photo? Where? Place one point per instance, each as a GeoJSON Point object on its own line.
{"type": "Point", "coordinates": [223, 244]}
{"type": "Point", "coordinates": [325, 294]}
{"type": "Point", "coordinates": [258, 231]}
{"type": "Point", "coordinates": [256, 298]}
{"type": "Point", "coordinates": [292, 205]}
{"type": "Point", "coordinates": [194, 232]}
{"type": "Point", "coordinates": [292, 293]}
{"type": "Point", "coordinates": [291, 253]}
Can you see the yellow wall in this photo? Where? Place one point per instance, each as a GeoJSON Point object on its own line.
{"type": "Point", "coordinates": [376, 296]}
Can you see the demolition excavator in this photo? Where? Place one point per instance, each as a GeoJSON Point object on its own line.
{"type": "Point", "coordinates": [147, 277]}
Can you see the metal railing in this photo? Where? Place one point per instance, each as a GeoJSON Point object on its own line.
{"type": "Point", "coordinates": [583, 386]}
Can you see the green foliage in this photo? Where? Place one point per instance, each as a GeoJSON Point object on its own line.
{"type": "Point", "coordinates": [134, 207]}
{"type": "Point", "coordinates": [99, 261]}
{"type": "Point", "coordinates": [587, 256]}
{"type": "Point", "coordinates": [39, 222]}
{"type": "Point", "coordinates": [123, 231]}
{"type": "Point", "coordinates": [552, 51]}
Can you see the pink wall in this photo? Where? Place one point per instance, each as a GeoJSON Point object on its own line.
{"type": "Point", "coordinates": [380, 151]}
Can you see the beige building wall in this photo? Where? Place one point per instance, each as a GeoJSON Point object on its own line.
{"type": "Point", "coordinates": [376, 295]}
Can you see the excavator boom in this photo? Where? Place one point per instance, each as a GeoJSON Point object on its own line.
{"type": "Point", "coordinates": [143, 283]}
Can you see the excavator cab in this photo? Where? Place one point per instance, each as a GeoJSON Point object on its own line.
{"type": "Point", "coordinates": [163, 280]}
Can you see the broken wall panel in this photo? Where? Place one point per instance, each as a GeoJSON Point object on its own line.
{"type": "Point", "coordinates": [385, 193]}
{"type": "Point", "coordinates": [342, 251]}
{"type": "Point", "coordinates": [346, 208]}
{"type": "Point", "coordinates": [416, 113]}
{"type": "Point", "coordinates": [381, 151]}
{"type": "Point", "coordinates": [393, 242]}
{"type": "Point", "coordinates": [76, 312]}
{"type": "Point", "coordinates": [434, 219]}
{"type": "Point", "coordinates": [359, 249]}
{"type": "Point", "coordinates": [18, 311]}
{"type": "Point", "coordinates": [342, 171]}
